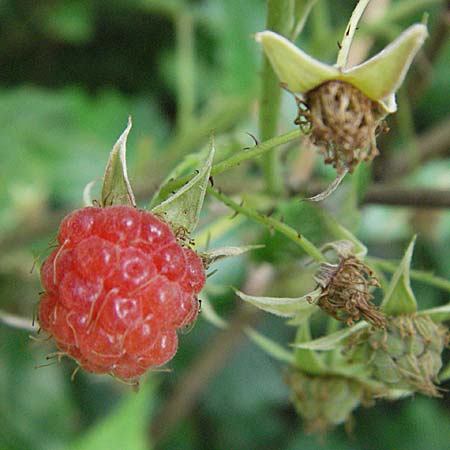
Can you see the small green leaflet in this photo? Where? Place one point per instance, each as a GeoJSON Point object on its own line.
{"type": "Point", "coordinates": [182, 209]}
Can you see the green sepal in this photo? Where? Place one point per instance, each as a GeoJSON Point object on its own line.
{"type": "Point", "coordinates": [116, 188]}
{"type": "Point", "coordinates": [226, 252]}
{"type": "Point", "coordinates": [295, 69]}
{"type": "Point", "coordinates": [284, 307]}
{"type": "Point", "coordinates": [399, 298]}
{"type": "Point", "coordinates": [438, 314]}
{"type": "Point", "coordinates": [187, 165]}
{"type": "Point", "coordinates": [381, 76]}
{"type": "Point", "coordinates": [332, 341]}
{"type": "Point", "coordinates": [182, 209]}
{"type": "Point", "coordinates": [305, 359]}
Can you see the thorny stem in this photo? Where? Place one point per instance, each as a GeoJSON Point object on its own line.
{"type": "Point", "coordinates": [233, 161]}
{"type": "Point", "coordinates": [349, 33]}
{"type": "Point", "coordinates": [418, 275]}
{"type": "Point", "coordinates": [271, 223]}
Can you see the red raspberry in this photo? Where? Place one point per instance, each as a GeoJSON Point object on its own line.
{"type": "Point", "coordinates": [117, 288]}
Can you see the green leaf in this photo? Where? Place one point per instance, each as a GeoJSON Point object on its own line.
{"type": "Point", "coordinates": [381, 76]}
{"type": "Point", "coordinates": [284, 307]}
{"type": "Point", "coordinates": [298, 71]}
{"type": "Point", "coordinates": [438, 314]}
{"type": "Point", "coordinates": [333, 340]}
{"type": "Point", "coordinates": [125, 428]}
{"type": "Point", "coordinates": [399, 298]}
{"type": "Point", "coordinates": [116, 188]}
{"type": "Point", "coordinates": [226, 252]}
{"type": "Point", "coordinates": [182, 209]}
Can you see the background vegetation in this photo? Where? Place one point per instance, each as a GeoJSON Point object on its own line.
{"type": "Point", "coordinates": [71, 73]}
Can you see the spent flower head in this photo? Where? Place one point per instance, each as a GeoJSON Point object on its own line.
{"type": "Point", "coordinates": [343, 107]}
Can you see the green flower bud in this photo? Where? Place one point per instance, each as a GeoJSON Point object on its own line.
{"type": "Point", "coordinates": [407, 354]}
{"type": "Point", "coordinates": [324, 401]}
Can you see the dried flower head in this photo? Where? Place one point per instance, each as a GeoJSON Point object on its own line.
{"type": "Point", "coordinates": [346, 288]}
{"type": "Point", "coordinates": [343, 106]}
{"type": "Point", "coordinates": [343, 123]}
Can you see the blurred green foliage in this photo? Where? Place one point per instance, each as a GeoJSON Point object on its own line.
{"type": "Point", "coordinates": [72, 72]}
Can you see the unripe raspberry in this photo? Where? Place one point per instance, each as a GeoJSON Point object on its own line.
{"type": "Point", "coordinates": [324, 401]}
{"type": "Point", "coordinates": [407, 354]}
{"type": "Point", "coordinates": [117, 288]}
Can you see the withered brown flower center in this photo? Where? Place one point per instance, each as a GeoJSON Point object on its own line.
{"type": "Point", "coordinates": [343, 123]}
{"type": "Point", "coordinates": [346, 291]}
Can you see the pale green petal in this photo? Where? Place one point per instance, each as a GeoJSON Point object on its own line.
{"type": "Point", "coordinates": [297, 70]}
{"type": "Point", "coordinates": [381, 76]}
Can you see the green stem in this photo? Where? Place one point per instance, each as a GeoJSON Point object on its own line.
{"type": "Point", "coordinates": [418, 275]}
{"type": "Point", "coordinates": [185, 71]}
{"type": "Point", "coordinates": [350, 32]}
{"type": "Point", "coordinates": [302, 8]}
{"type": "Point", "coordinates": [271, 223]}
{"type": "Point", "coordinates": [232, 161]}
{"type": "Point", "coordinates": [279, 19]}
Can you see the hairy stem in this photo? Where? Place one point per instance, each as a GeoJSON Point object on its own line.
{"type": "Point", "coordinates": [271, 223]}
{"type": "Point", "coordinates": [349, 33]}
{"type": "Point", "coordinates": [232, 161]}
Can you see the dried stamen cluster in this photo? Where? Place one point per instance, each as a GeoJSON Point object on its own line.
{"type": "Point", "coordinates": [345, 291]}
{"type": "Point", "coordinates": [343, 123]}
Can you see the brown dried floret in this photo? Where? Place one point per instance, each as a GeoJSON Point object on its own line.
{"type": "Point", "coordinates": [346, 291]}
{"type": "Point", "coordinates": [343, 123]}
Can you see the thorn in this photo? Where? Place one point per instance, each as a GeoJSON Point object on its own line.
{"type": "Point", "coordinates": [253, 137]}
{"type": "Point", "coordinates": [211, 180]}
{"type": "Point", "coordinates": [339, 45]}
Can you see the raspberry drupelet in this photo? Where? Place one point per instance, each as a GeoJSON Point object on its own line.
{"type": "Point", "coordinates": [117, 287]}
